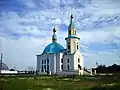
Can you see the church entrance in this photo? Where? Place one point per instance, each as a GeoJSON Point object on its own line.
{"type": "Point", "coordinates": [79, 67]}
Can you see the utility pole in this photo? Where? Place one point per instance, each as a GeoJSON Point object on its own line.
{"type": "Point", "coordinates": [96, 67]}
{"type": "Point", "coordinates": [1, 62]}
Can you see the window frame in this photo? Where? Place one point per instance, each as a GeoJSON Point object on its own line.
{"type": "Point", "coordinates": [68, 60]}
{"type": "Point", "coordinates": [48, 61]}
{"type": "Point", "coordinates": [68, 67]}
{"type": "Point", "coordinates": [62, 67]}
{"type": "Point", "coordinates": [78, 60]}
{"type": "Point", "coordinates": [47, 67]}
{"type": "Point", "coordinates": [42, 61]}
{"type": "Point", "coordinates": [62, 60]}
{"type": "Point", "coordinates": [77, 46]}
{"type": "Point", "coordinates": [68, 46]}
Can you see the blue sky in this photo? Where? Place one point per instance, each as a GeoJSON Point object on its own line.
{"type": "Point", "coordinates": [26, 28]}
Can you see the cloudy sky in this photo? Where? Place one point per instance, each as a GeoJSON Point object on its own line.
{"type": "Point", "coordinates": [26, 28]}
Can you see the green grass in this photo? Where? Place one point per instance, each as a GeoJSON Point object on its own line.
{"type": "Point", "coordinates": [60, 82]}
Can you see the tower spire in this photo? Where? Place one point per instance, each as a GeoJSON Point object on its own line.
{"type": "Point", "coordinates": [54, 37]}
{"type": "Point", "coordinates": [71, 25]}
{"type": "Point", "coordinates": [71, 19]}
{"type": "Point", "coordinates": [71, 28]}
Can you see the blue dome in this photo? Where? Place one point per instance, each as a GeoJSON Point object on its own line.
{"type": "Point", "coordinates": [53, 48]}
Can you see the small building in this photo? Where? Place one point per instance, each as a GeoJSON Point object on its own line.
{"type": "Point", "coordinates": [58, 60]}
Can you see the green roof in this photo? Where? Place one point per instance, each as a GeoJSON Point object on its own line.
{"type": "Point", "coordinates": [72, 36]}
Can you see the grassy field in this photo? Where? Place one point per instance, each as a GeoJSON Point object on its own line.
{"type": "Point", "coordinates": [60, 82]}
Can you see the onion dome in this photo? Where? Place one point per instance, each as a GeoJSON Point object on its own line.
{"type": "Point", "coordinates": [71, 25]}
{"type": "Point", "coordinates": [53, 47]}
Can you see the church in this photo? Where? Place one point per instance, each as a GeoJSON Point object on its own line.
{"type": "Point", "coordinates": [56, 59]}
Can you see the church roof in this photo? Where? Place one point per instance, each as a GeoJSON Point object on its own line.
{"type": "Point", "coordinates": [72, 25]}
{"type": "Point", "coordinates": [53, 47]}
{"type": "Point", "coordinates": [72, 36]}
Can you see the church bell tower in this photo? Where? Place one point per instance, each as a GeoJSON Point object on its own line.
{"type": "Point", "coordinates": [72, 41]}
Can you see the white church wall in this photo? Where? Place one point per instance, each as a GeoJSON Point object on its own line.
{"type": "Point", "coordinates": [58, 62]}
{"type": "Point", "coordinates": [38, 63]}
{"type": "Point", "coordinates": [76, 63]}
{"type": "Point", "coordinates": [82, 63]}
{"type": "Point", "coordinates": [73, 44]}
{"type": "Point", "coordinates": [53, 63]}
{"type": "Point", "coordinates": [43, 57]}
{"type": "Point", "coordinates": [61, 57]}
{"type": "Point", "coordinates": [65, 63]}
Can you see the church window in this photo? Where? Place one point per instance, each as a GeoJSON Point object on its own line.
{"type": "Point", "coordinates": [75, 32]}
{"type": "Point", "coordinates": [42, 61]}
{"type": "Point", "coordinates": [68, 67]}
{"type": "Point", "coordinates": [61, 60]}
{"type": "Point", "coordinates": [69, 32]}
{"type": "Point", "coordinates": [47, 67]}
{"type": "Point", "coordinates": [61, 67]}
{"type": "Point", "coordinates": [47, 61]}
{"type": "Point", "coordinates": [78, 60]}
{"type": "Point", "coordinates": [68, 60]}
{"type": "Point", "coordinates": [77, 47]}
{"type": "Point", "coordinates": [79, 67]}
{"type": "Point", "coordinates": [68, 46]}
{"type": "Point", "coordinates": [42, 67]}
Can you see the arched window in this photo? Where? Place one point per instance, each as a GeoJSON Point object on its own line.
{"type": "Point", "coordinates": [42, 68]}
{"type": "Point", "coordinates": [77, 46]}
{"type": "Point", "coordinates": [61, 67]}
{"type": "Point", "coordinates": [61, 60]}
{"type": "Point", "coordinates": [42, 61]}
{"type": "Point", "coordinates": [47, 61]}
{"type": "Point", "coordinates": [68, 67]}
{"type": "Point", "coordinates": [78, 60]}
{"type": "Point", "coordinates": [68, 46]}
{"type": "Point", "coordinates": [69, 32]}
{"type": "Point", "coordinates": [79, 67]}
{"type": "Point", "coordinates": [68, 60]}
{"type": "Point", "coordinates": [47, 67]}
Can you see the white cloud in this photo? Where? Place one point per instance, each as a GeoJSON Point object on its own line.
{"type": "Point", "coordinates": [22, 53]}
{"type": "Point", "coordinates": [103, 35]}
{"type": "Point", "coordinates": [104, 58]}
{"type": "Point", "coordinates": [39, 23]}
